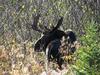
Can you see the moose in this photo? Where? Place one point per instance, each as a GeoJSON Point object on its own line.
{"type": "Point", "coordinates": [51, 41]}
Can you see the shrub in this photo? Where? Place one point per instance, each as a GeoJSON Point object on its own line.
{"type": "Point", "coordinates": [88, 59]}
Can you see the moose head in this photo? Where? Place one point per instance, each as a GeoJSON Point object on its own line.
{"type": "Point", "coordinates": [48, 34]}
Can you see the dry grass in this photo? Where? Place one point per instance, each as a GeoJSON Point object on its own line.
{"type": "Point", "coordinates": [13, 62]}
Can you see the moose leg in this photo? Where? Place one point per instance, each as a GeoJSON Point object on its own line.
{"type": "Point", "coordinates": [60, 62]}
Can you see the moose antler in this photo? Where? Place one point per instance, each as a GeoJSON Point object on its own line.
{"type": "Point", "coordinates": [36, 28]}
{"type": "Point", "coordinates": [35, 23]}
{"type": "Point", "coordinates": [58, 24]}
